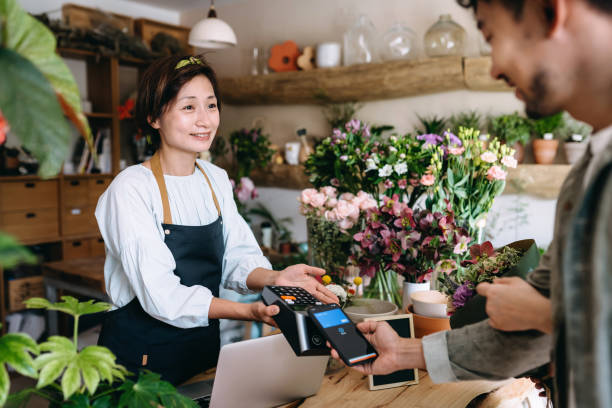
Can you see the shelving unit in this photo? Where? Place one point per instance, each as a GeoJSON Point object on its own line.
{"type": "Point", "coordinates": [366, 82]}
{"type": "Point", "coordinates": [539, 180]}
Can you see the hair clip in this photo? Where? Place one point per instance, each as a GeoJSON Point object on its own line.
{"type": "Point", "coordinates": [188, 61]}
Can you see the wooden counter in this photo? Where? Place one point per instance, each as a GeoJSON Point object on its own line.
{"type": "Point", "coordinates": [348, 388]}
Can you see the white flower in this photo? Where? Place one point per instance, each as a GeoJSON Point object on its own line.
{"type": "Point", "coordinates": [488, 157]}
{"type": "Point", "coordinates": [402, 156]}
{"type": "Point", "coordinates": [401, 168]}
{"type": "Point", "coordinates": [509, 161]}
{"type": "Point", "coordinates": [371, 165]}
{"type": "Point", "coordinates": [392, 149]}
{"type": "Point", "coordinates": [375, 158]}
{"type": "Point", "coordinates": [338, 291]}
{"type": "Point", "coordinates": [393, 139]}
{"type": "Point", "coordinates": [385, 171]}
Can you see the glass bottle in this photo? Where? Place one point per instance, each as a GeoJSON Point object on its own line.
{"type": "Point", "coordinates": [360, 43]}
{"type": "Point", "coordinates": [400, 42]}
{"type": "Point", "coordinates": [444, 37]}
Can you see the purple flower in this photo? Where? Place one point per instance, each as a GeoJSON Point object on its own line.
{"type": "Point", "coordinates": [431, 139]}
{"type": "Point", "coordinates": [453, 140]}
{"type": "Point", "coordinates": [366, 131]}
{"type": "Point", "coordinates": [462, 295]}
{"type": "Point", "coordinates": [353, 126]}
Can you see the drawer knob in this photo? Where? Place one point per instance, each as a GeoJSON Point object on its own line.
{"type": "Point", "coordinates": [30, 185]}
{"type": "Point", "coordinates": [99, 181]}
{"type": "Point", "coordinates": [77, 243]}
{"type": "Point", "coordinates": [75, 182]}
{"type": "Point", "coordinates": [31, 215]}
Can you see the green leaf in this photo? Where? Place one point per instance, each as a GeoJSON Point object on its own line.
{"type": "Point", "coordinates": [91, 377]}
{"type": "Point", "coordinates": [69, 305]}
{"type": "Point", "coordinates": [37, 118]}
{"type": "Point", "coordinates": [5, 384]}
{"type": "Point", "coordinates": [104, 402]}
{"type": "Point", "coordinates": [15, 349]}
{"type": "Point", "coordinates": [35, 42]}
{"type": "Point", "coordinates": [71, 380]}
{"type": "Point", "coordinates": [50, 372]}
{"type": "Point", "coordinates": [19, 399]}
{"type": "Point", "coordinates": [150, 391]}
{"type": "Point", "coordinates": [13, 253]}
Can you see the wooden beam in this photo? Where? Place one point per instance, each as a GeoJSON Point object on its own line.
{"type": "Point", "coordinates": [540, 180]}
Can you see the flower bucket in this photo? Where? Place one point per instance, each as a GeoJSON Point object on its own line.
{"type": "Point", "coordinates": [384, 286]}
{"type": "Point", "coordinates": [411, 287]}
{"type": "Point", "coordinates": [474, 309]}
{"type": "Point", "coordinates": [362, 308]}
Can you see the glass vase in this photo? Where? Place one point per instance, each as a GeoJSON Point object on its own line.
{"type": "Point", "coordinates": [360, 43]}
{"type": "Point", "coordinates": [444, 38]}
{"type": "Point", "coordinates": [399, 43]}
{"type": "Point", "coordinates": [384, 286]}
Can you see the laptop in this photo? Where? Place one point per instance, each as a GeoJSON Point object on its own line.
{"type": "Point", "coordinates": [262, 372]}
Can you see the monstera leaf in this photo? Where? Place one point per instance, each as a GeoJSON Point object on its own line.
{"type": "Point", "coordinates": [12, 253]}
{"type": "Point", "coordinates": [15, 349]}
{"type": "Point", "coordinates": [151, 391]}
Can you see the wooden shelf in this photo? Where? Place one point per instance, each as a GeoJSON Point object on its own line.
{"type": "Point", "coordinates": [539, 180]}
{"type": "Point", "coordinates": [366, 82]}
{"type": "Point", "coordinates": [86, 54]}
{"type": "Point", "coordinates": [98, 115]}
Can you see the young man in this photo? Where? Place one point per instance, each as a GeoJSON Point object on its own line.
{"type": "Point", "coordinates": [556, 54]}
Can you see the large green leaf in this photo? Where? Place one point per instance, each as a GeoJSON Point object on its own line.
{"type": "Point", "coordinates": [69, 305]}
{"type": "Point", "coordinates": [31, 107]}
{"type": "Point", "coordinates": [150, 391]}
{"type": "Point", "coordinates": [12, 253]}
{"type": "Point", "coordinates": [31, 39]}
{"type": "Point", "coordinates": [15, 349]}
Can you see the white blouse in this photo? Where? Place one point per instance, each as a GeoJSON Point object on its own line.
{"type": "Point", "coordinates": [138, 262]}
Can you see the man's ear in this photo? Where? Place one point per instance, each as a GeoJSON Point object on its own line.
{"type": "Point", "coordinates": [154, 123]}
{"type": "Point", "coordinates": [558, 10]}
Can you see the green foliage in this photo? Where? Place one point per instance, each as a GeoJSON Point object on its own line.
{"type": "Point", "coordinates": [251, 150]}
{"type": "Point", "coordinates": [433, 124]}
{"type": "Point", "coordinates": [218, 149]}
{"type": "Point", "coordinates": [510, 129]}
{"type": "Point", "coordinates": [15, 349]}
{"type": "Point", "coordinates": [12, 253]}
{"type": "Point", "coordinates": [337, 114]}
{"type": "Point", "coordinates": [548, 124]}
{"type": "Point", "coordinates": [330, 245]}
{"type": "Point", "coordinates": [572, 127]}
{"type": "Point", "coordinates": [469, 119]}
{"type": "Point", "coordinates": [69, 305]}
{"type": "Point", "coordinates": [32, 76]}
{"type": "Point", "coordinates": [150, 391]}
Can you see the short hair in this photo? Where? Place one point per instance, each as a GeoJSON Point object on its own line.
{"type": "Point", "coordinates": [516, 6]}
{"type": "Point", "coordinates": [161, 83]}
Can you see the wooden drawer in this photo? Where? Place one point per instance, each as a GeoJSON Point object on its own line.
{"type": "Point", "coordinates": [77, 248]}
{"type": "Point", "coordinates": [97, 186]}
{"type": "Point", "coordinates": [31, 224]}
{"type": "Point", "coordinates": [28, 195]}
{"type": "Point", "coordinates": [75, 192]}
{"type": "Point", "coordinates": [97, 247]}
{"type": "Point", "coordinates": [78, 220]}
{"type": "Point", "coordinates": [23, 289]}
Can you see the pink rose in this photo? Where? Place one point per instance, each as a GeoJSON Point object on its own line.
{"type": "Point", "coordinates": [346, 223]}
{"type": "Point", "coordinates": [345, 209]}
{"type": "Point", "coordinates": [331, 202]}
{"type": "Point", "coordinates": [318, 200]}
{"type": "Point", "coordinates": [496, 173]}
{"type": "Point", "coordinates": [331, 215]}
{"type": "Point", "coordinates": [456, 151]}
{"type": "Point", "coordinates": [329, 191]}
{"type": "Point", "coordinates": [509, 161]}
{"type": "Point", "coordinates": [367, 204]}
{"type": "Point", "coordinates": [428, 179]}
{"type": "Point", "coordinates": [347, 196]}
{"type": "Point", "coordinates": [488, 157]}
{"type": "Point", "coordinates": [306, 195]}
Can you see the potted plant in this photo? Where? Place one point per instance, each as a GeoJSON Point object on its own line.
{"type": "Point", "coordinates": [513, 130]}
{"type": "Point", "coordinates": [250, 150]}
{"type": "Point", "coordinates": [467, 119]}
{"type": "Point", "coordinates": [574, 134]}
{"type": "Point", "coordinates": [545, 145]}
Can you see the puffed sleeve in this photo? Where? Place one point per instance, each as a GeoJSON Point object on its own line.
{"type": "Point", "coordinates": [242, 252]}
{"type": "Point", "coordinates": [129, 228]}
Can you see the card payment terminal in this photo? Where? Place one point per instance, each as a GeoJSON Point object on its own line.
{"type": "Point", "coordinates": [293, 319]}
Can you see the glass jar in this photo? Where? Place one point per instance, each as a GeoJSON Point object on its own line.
{"type": "Point", "coordinates": [400, 42]}
{"type": "Point", "coordinates": [360, 43]}
{"type": "Point", "coordinates": [444, 37]}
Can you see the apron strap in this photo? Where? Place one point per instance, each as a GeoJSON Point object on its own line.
{"type": "Point", "coordinates": [161, 182]}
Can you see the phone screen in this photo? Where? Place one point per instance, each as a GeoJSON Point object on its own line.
{"type": "Point", "coordinates": [344, 336]}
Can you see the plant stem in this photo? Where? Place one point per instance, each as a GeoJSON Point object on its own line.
{"type": "Point", "coordinates": [76, 332]}
{"type": "Point", "coordinates": [45, 396]}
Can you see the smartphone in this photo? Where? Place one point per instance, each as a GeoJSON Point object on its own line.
{"type": "Point", "coordinates": [343, 335]}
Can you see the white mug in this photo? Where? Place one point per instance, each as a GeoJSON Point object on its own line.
{"type": "Point", "coordinates": [328, 55]}
{"type": "Point", "coordinates": [292, 152]}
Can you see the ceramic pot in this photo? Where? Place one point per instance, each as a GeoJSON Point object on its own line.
{"type": "Point", "coordinates": [519, 152]}
{"type": "Point", "coordinates": [427, 325]}
{"type": "Point", "coordinates": [545, 151]}
{"type": "Point", "coordinates": [430, 303]}
{"type": "Point", "coordinates": [362, 308]}
{"type": "Point", "coordinates": [574, 151]}
{"type": "Point", "coordinates": [409, 288]}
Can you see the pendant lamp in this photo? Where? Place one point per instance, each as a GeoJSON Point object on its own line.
{"type": "Point", "coordinates": [212, 33]}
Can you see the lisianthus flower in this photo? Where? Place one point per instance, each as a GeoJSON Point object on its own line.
{"type": "Point", "coordinates": [488, 157]}
{"type": "Point", "coordinates": [456, 151]}
{"type": "Point", "coordinates": [509, 161]}
{"type": "Point", "coordinates": [385, 171]}
{"type": "Point", "coordinates": [402, 184]}
{"type": "Point", "coordinates": [496, 173]}
{"type": "Point", "coordinates": [353, 126]}
{"type": "Point", "coordinates": [453, 140]}
{"type": "Point", "coordinates": [401, 168]}
{"type": "Point", "coordinates": [388, 184]}
{"type": "Point", "coordinates": [371, 165]}
{"type": "Point", "coordinates": [427, 179]}
{"type": "Point", "coordinates": [431, 139]}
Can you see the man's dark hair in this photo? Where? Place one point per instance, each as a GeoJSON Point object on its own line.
{"type": "Point", "coordinates": [160, 84]}
{"type": "Point", "coordinates": [516, 6]}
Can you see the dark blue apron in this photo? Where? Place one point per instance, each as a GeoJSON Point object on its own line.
{"type": "Point", "coordinates": [138, 340]}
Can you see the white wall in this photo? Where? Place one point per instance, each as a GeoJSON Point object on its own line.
{"type": "Point", "coordinates": [263, 23]}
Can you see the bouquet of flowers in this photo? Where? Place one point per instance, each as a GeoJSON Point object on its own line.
{"type": "Point", "coordinates": [332, 219]}
{"type": "Point", "coordinates": [244, 191]}
{"type": "Point", "coordinates": [397, 239]}
{"type": "Point", "coordinates": [469, 176]}
{"type": "Point", "coordinates": [485, 265]}
{"type": "Point", "coordinates": [251, 150]}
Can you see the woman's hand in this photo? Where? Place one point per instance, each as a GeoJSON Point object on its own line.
{"type": "Point", "coordinates": [303, 276]}
{"type": "Point", "coordinates": [263, 313]}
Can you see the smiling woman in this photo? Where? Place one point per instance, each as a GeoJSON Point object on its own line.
{"type": "Point", "coordinates": [173, 235]}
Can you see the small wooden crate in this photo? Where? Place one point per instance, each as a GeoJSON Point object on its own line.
{"type": "Point", "coordinates": [86, 17]}
{"type": "Point", "coordinates": [146, 30]}
{"type": "Point", "coordinates": [22, 289]}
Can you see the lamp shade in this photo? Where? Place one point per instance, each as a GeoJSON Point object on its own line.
{"type": "Point", "coordinates": [212, 33]}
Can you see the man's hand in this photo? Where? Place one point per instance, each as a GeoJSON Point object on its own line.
{"type": "Point", "coordinates": [394, 353]}
{"type": "Point", "coordinates": [515, 305]}
{"type": "Point", "coordinates": [303, 276]}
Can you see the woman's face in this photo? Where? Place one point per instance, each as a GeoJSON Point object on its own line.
{"type": "Point", "coordinates": [190, 122]}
